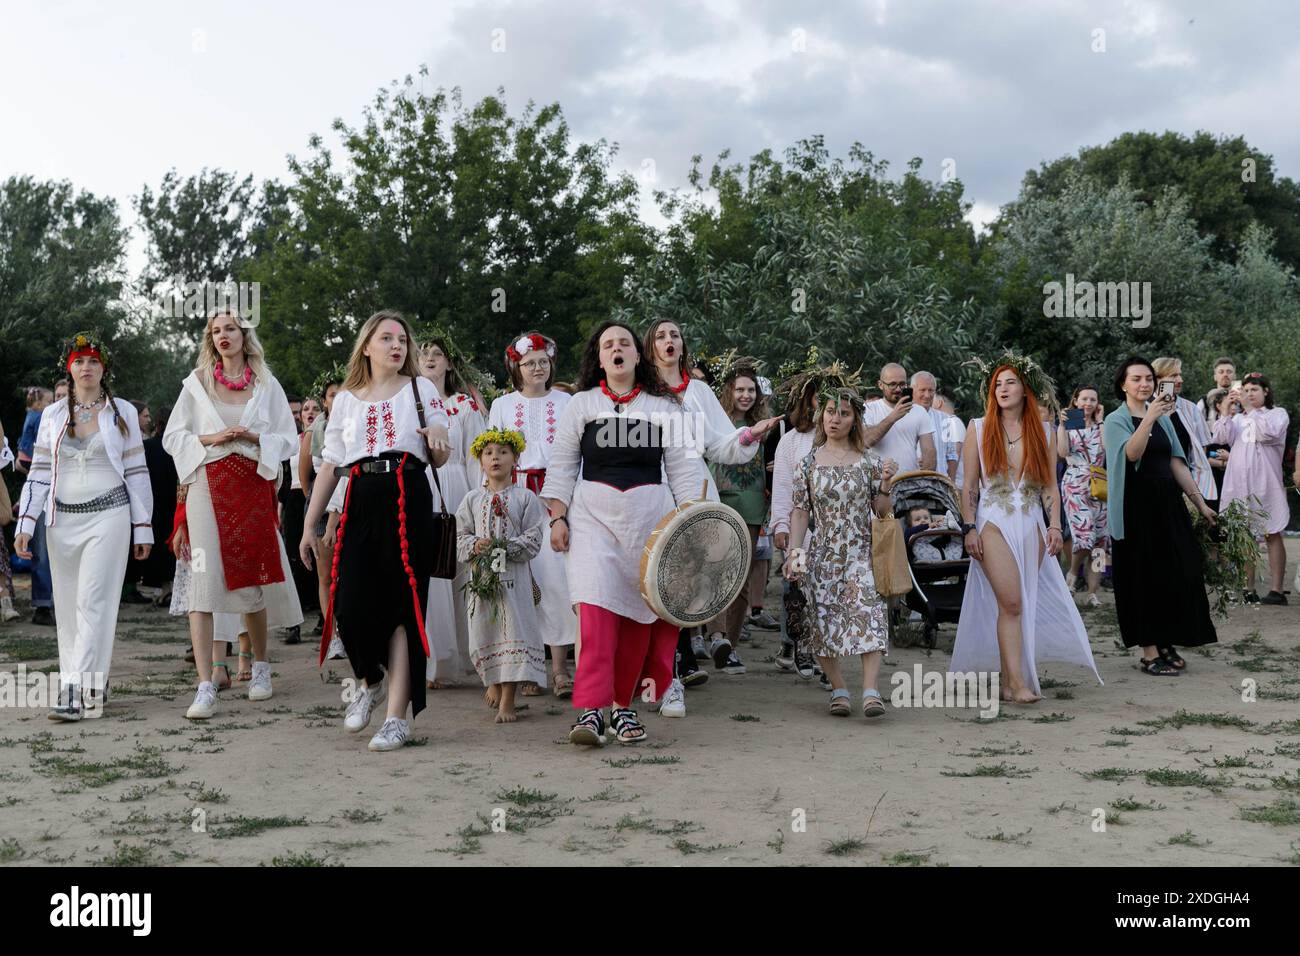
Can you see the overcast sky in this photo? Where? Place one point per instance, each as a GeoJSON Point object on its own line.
{"type": "Point", "coordinates": [110, 96]}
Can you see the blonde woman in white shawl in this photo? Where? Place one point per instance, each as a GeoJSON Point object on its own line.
{"type": "Point", "coordinates": [229, 431]}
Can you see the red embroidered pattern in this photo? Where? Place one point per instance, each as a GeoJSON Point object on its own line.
{"type": "Point", "coordinates": [519, 414]}
{"type": "Point", "coordinates": [390, 430]}
{"type": "Point", "coordinates": [550, 423]}
{"type": "Point", "coordinates": [372, 430]}
{"type": "Point", "coordinates": [244, 506]}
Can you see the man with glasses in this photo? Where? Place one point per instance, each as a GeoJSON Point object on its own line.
{"type": "Point", "coordinates": [896, 428]}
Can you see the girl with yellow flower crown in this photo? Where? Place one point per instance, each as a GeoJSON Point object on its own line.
{"type": "Point", "coordinates": [499, 533]}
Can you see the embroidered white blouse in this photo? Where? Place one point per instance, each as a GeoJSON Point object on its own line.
{"type": "Point", "coordinates": [537, 418]}
{"type": "Point", "coordinates": [360, 429]}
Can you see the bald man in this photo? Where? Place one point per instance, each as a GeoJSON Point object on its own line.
{"type": "Point", "coordinates": [896, 428]}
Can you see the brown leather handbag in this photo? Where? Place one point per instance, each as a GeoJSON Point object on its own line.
{"type": "Point", "coordinates": [443, 543]}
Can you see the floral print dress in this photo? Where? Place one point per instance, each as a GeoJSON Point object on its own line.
{"type": "Point", "coordinates": [845, 614]}
{"type": "Point", "coordinates": [1086, 514]}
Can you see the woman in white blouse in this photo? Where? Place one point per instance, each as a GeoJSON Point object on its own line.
{"type": "Point", "coordinates": [711, 437]}
{"type": "Point", "coordinates": [229, 431]}
{"type": "Point", "coordinates": [89, 479]}
{"type": "Point", "coordinates": [383, 556]}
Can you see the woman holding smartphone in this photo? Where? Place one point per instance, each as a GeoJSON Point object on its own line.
{"type": "Point", "coordinates": [1257, 438]}
{"type": "Point", "coordinates": [1079, 443]}
{"type": "Point", "coordinates": [1159, 581]}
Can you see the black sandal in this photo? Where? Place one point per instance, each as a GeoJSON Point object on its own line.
{"type": "Point", "coordinates": [1171, 657]}
{"type": "Point", "coordinates": [589, 731]}
{"type": "Point", "coordinates": [1158, 667]}
{"type": "Point", "coordinates": [627, 729]}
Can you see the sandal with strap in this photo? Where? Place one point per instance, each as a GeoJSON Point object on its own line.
{"type": "Point", "coordinates": [589, 731]}
{"type": "Point", "coordinates": [1171, 657]}
{"type": "Point", "coordinates": [840, 703]}
{"type": "Point", "coordinates": [627, 729]}
{"type": "Point", "coordinates": [563, 686]}
{"type": "Point", "coordinates": [245, 670]}
{"type": "Point", "coordinates": [1158, 667]}
{"type": "Point", "coordinates": [226, 667]}
{"type": "Point", "coordinates": [873, 705]}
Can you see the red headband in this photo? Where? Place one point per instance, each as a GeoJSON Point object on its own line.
{"type": "Point", "coordinates": [89, 351]}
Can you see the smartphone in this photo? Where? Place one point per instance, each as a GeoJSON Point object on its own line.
{"type": "Point", "coordinates": [906, 395]}
{"type": "Point", "coordinates": [1074, 420]}
{"type": "Point", "coordinates": [1165, 391]}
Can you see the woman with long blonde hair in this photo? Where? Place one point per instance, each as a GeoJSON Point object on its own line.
{"type": "Point", "coordinates": [229, 431]}
{"type": "Point", "coordinates": [385, 427]}
{"type": "Point", "coordinates": [1016, 609]}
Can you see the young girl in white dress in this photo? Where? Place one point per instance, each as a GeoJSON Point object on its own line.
{"type": "Point", "coordinates": [504, 641]}
{"type": "Point", "coordinates": [534, 408]}
{"type": "Point", "coordinates": [1016, 611]}
{"type": "Point", "coordinates": [448, 622]}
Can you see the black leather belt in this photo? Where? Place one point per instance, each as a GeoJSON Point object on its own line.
{"type": "Point", "coordinates": [380, 466]}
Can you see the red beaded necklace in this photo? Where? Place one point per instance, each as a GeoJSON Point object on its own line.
{"type": "Point", "coordinates": [219, 374]}
{"type": "Point", "coordinates": [619, 399]}
{"type": "Point", "coordinates": [678, 389]}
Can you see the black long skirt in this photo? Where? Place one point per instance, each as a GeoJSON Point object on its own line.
{"type": "Point", "coordinates": [373, 595]}
{"type": "Point", "coordinates": [1159, 581]}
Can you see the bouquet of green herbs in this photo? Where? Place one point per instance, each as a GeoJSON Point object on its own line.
{"type": "Point", "coordinates": [1226, 548]}
{"type": "Point", "coordinates": [484, 582]}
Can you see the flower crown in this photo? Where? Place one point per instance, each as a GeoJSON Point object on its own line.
{"type": "Point", "coordinates": [517, 349]}
{"type": "Point", "coordinates": [498, 436]}
{"type": "Point", "coordinates": [460, 359]}
{"type": "Point", "coordinates": [729, 363]}
{"type": "Point", "coordinates": [336, 375]}
{"type": "Point", "coordinates": [1032, 375]}
{"type": "Point", "coordinates": [812, 377]}
{"type": "Point", "coordinates": [83, 343]}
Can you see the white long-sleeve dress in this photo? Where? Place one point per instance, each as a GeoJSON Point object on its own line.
{"type": "Point", "coordinates": [446, 619]}
{"type": "Point", "coordinates": [539, 420]}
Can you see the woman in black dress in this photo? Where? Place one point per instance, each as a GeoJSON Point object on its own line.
{"type": "Point", "coordinates": [1160, 594]}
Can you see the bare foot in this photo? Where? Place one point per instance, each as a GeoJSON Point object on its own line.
{"type": "Point", "coordinates": [506, 712]}
{"type": "Point", "coordinates": [493, 695]}
{"type": "Point", "coordinates": [507, 716]}
{"type": "Point", "coordinates": [529, 689]}
{"type": "Point", "coordinates": [1023, 695]}
{"type": "Point", "coordinates": [438, 684]}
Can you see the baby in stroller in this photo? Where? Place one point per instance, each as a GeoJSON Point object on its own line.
{"type": "Point", "coordinates": [936, 548]}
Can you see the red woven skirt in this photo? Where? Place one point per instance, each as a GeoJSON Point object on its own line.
{"type": "Point", "coordinates": [244, 505]}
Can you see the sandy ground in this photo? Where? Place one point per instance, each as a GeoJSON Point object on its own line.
{"type": "Point", "coordinates": [1183, 771]}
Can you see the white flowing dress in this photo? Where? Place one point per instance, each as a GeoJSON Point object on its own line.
{"type": "Point", "coordinates": [1051, 629]}
{"type": "Point", "coordinates": [445, 617]}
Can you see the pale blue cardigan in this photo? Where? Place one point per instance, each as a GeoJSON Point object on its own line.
{"type": "Point", "coordinates": [1115, 432]}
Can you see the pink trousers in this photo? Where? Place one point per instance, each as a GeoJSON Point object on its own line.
{"type": "Point", "coordinates": [621, 659]}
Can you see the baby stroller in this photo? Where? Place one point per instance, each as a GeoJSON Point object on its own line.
{"type": "Point", "coordinates": [937, 587]}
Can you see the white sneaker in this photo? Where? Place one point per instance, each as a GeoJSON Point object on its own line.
{"type": "Point", "coordinates": [336, 651]}
{"type": "Point", "coordinates": [259, 688]}
{"type": "Point", "coordinates": [358, 715]}
{"type": "Point", "coordinates": [205, 701]}
{"type": "Point", "coordinates": [674, 702]}
{"type": "Point", "coordinates": [392, 735]}
{"type": "Point", "coordinates": [1093, 600]}
{"type": "Point", "coordinates": [701, 650]}
{"type": "Point", "coordinates": [7, 612]}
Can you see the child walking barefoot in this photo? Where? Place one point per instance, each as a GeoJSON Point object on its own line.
{"type": "Point", "coordinates": [499, 532]}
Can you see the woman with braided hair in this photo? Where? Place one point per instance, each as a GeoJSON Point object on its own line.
{"type": "Point", "coordinates": [89, 479]}
{"type": "Point", "coordinates": [1016, 610]}
{"type": "Point", "coordinates": [386, 425]}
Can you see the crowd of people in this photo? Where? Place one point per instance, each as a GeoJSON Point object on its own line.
{"type": "Point", "coordinates": [440, 535]}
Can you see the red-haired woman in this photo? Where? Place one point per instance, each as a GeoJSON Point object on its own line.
{"type": "Point", "coordinates": [1016, 610]}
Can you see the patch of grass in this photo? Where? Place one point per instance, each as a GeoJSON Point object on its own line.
{"type": "Point", "coordinates": [1114, 774]}
{"type": "Point", "coordinates": [138, 792]}
{"type": "Point", "coordinates": [777, 843]}
{"type": "Point", "coordinates": [908, 859]}
{"type": "Point", "coordinates": [1117, 743]}
{"type": "Point", "coordinates": [1283, 727]}
{"type": "Point", "coordinates": [1053, 718]}
{"type": "Point", "coordinates": [1048, 683]}
{"type": "Point", "coordinates": [1017, 838]}
{"type": "Point", "coordinates": [303, 860]}
{"type": "Point", "coordinates": [1129, 732]}
{"type": "Point", "coordinates": [1002, 769]}
{"type": "Point", "coordinates": [1008, 750]}
{"type": "Point", "coordinates": [1063, 695]}
{"type": "Point", "coordinates": [127, 855]}
{"type": "Point", "coordinates": [1187, 838]}
{"type": "Point", "coordinates": [1129, 804]}
{"type": "Point", "coordinates": [242, 826]}
{"type": "Point", "coordinates": [649, 825]}
{"type": "Point", "coordinates": [844, 847]}
{"type": "Point", "coordinates": [609, 794]}
{"type": "Point", "coordinates": [744, 718]}
{"type": "Point", "coordinates": [143, 762]}
{"type": "Point", "coordinates": [1280, 813]}
{"type": "Point", "coordinates": [361, 816]}
{"type": "Point", "coordinates": [200, 792]}
{"type": "Point", "coordinates": [11, 850]}
{"type": "Point", "coordinates": [1169, 777]}
{"type": "Point", "coordinates": [1183, 718]}
{"type": "Point", "coordinates": [619, 763]}
{"type": "Point", "coordinates": [30, 648]}
{"type": "Point", "coordinates": [1287, 750]}
{"type": "Point", "coordinates": [1290, 784]}
{"type": "Point", "coordinates": [523, 796]}
{"type": "Point", "coordinates": [686, 847]}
